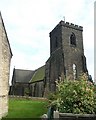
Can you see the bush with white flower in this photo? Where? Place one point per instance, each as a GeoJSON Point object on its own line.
{"type": "Point", "coordinates": [75, 96]}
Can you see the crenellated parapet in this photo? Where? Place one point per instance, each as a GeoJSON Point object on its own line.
{"type": "Point", "coordinates": [68, 25]}
{"type": "Point", "coordinates": [71, 25]}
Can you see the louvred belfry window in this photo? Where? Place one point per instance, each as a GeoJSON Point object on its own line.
{"type": "Point", "coordinates": [73, 39]}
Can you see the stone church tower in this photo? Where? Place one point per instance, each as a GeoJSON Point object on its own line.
{"type": "Point", "coordinates": [5, 58]}
{"type": "Point", "coordinates": [66, 54]}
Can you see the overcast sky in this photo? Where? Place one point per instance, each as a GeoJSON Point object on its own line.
{"type": "Point", "coordinates": [28, 23]}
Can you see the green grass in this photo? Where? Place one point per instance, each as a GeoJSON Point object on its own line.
{"type": "Point", "coordinates": [22, 108]}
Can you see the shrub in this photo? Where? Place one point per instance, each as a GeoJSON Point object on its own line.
{"type": "Point", "coordinates": [75, 96]}
{"type": "Point", "coordinates": [26, 92]}
{"type": "Point", "coordinates": [51, 96]}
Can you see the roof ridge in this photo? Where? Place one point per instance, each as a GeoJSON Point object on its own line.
{"type": "Point", "coordinates": [40, 67]}
{"type": "Point", "coordinates": [24, 69]}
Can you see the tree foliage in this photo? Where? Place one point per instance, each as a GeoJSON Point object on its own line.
{"type": "Point", "coordinates": [75, 96]}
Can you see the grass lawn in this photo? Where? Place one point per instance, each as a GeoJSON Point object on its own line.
{"type": "Point", "coordinates": [26, 108]}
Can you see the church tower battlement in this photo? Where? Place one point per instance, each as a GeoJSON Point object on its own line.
{"type": "Point", "coordinates": [70, 25]}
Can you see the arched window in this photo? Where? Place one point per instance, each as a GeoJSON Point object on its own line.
{"type": "Point", "coordinates": [74, 71]}
{"type": "Point", "coordinates": [73, 39]}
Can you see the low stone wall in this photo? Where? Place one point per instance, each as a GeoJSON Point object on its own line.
{"type": "Point", "coordinates": [70, 116]}
{"type": "Point", "coordinates": [27, 97]}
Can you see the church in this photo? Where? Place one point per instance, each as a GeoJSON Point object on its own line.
{"type": "Point", "coordinates": [66, 59]}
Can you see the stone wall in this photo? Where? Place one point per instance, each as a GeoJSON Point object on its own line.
{"type": "Point", "coordinates": [72, 54]}
{"type": "Point", "coordinates": [19, 89]}
{"type": "Point", "coordinates": [37, 89]}
{"type": "Point", "coordinates": [5, 57]}
{"type": "Point", "coordinates": [56, 68]}
{"type": "Point", "coordinates": [70, 116]}
{"type": "Point", "coordinates": [66, 54]}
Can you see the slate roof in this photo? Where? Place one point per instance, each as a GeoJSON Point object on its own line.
{"type": "Point", "coordinates": [28, 76]}
{"type": "Point", "coordinates": [22, 76]}
{"type": "Point", "coordinates": [38, 75]}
